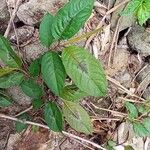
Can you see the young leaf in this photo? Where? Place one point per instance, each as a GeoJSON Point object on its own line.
{"type": "Point", "coordinates": [77, 117]}
{"type": "Point", "coordinates": [85, 71]}
{"type": "Point", "coordinates": [34, 68]}
{"type": "Point", "coordinates": [72, 93]}
{"type": "Point", "coordinates": [32, 89]}
{"type": "Point", "coordinates": [11, 80]}
{"type": "Point", "coordinates": [128, 147]}
{"type": "Point", "coordinates": [133, 112]}
{"type": "Point", "coordinates": [37, 103]}
{"type": "Point", "coordinates": [71, 18]}
{"type": "Point", "coordinates": [21, 126]}
{"type": "Point", "coordinates": [4, 101]}
{"type": "Point", "coordinates": [143, 13]}
{"type": "Point", "coordinates": [53, 72]}
{"type": "Point", "coordinates": [6, 70]}
{"type": "Point", "coordinates": [46, 37]}
{"type": "Point", "coordinates": [146, 124]}
{"type": "Point", "coordinates": [132, 7]}
{"type": "Point", "coordinates": [7, 55]}
{"type": "Point", "coordinates": [53, 117]}
{"type": "Point", "coordinates": [140, 130]}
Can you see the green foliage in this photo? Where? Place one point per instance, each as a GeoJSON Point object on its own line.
{"type": "Point", "coordinates": [72, 93]}
{"type": "Point", "coordinates": [6, 70]}
{"type": "Point", "coordinates": [133, 112]}
{"type": "Point", "coordinates": [53, 117]}
{"type": "Point", "coordinates": [77, 117]}
{"type": "Point", "coordinates": [140, 8]}
{"type": "Point", "coordinates": [21, 126]}
{"type": "Point", "coordinates": [37, 103]}
{"type": "Point", "coordinates": [110, 145]}
{"type": "Point", "coordinates": [7, 55]}
{"type": "Point", "coordinates": [71, 18]}
{"type": "Point", "coordinates": [11, 80]}
{"type": "Point", "coordinates": [32, 89]}
{"type": "Point", "coordinates": [34, 68]}
{"type": "Point", "coordinates": [85, 71]}
{"type": "Point", "coordinates": [141, 126]}
{"type": "Point", "coordinates": [4, 101]}
{"type": "Point", "coordinates": [45, 30]}
{"type": "Point", "coordinates": [53, 72]}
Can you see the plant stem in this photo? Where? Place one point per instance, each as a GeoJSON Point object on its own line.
{"type": "Point", "coordinates": [79, 38]}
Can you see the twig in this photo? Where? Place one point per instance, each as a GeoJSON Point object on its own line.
{"type": "Point", "coordinates": [113, 42]}
{"type": "Point", "coordinates": [12, 18]}
{"type": "Point", "coordinates": [112, 111]}
{"type": "Point", "coordinates": [70, 135]}
{"type": "Point", "coordinates": [123, 88]}
{"type": "Point", "coordinates": [26, 110]}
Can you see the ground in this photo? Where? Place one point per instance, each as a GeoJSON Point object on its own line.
{"type": "Point", "coordinates": [122, 46]}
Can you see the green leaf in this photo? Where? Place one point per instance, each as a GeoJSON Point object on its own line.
{"type": "Point", "coordinates": [140, 130]}
{"type": "Point", "coordinates": [53, 72]}
{"type": "Point", "coordinates": [21, 126]}
{"type": "Point", "coordinates": [34, 68]}
{"type": "Point", "coordinates": [72, 93]}
{"type": "Point", "coordinates": [77, 117]}
{"type": "Point", "coordinates": [4, 101]}
{"type": "Point", "coordinates": [146, 123]}
{"type": "Point", "coordinates": [143, 109]}
{"type": "Point", "coordinates": [133, 112]}
{"type": "Point", "coordinates": [85, 71]}
{"type": "Point", "coordinates": [143, 14]}
{"type": "Point", "coordinates": [6, 70]}
{"type": "Point", "coordinates": [11, 80]}
{"type": "Point", "coordinates": [53, 117]}
{"type": "Point", "coordinates": [37, 103]}
{"type": "Point", "coordinates": [71, 18]}
{"type": "Point", "coordinates": [128, 147]}
{"type": "Point", "coordinates": [131, 8]}
{"type": "Point", "coordinates": [7, 55]}
{"type": "Point", "coordinates": [32, 89]}
{"type": "Point", "coordinates": [46, 37]}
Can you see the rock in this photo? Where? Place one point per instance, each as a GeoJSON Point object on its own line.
{"type": "Point", "coordinates": [18, 96]}
{"type": "Point", "coordinates": [4, 16]}
{"type": "Point", "coordinates": [144, 79]}
{"type": "Point", "coordinates": [146, 94]}
{"type": "Point", "coordinates": [32, 12]}
{"type": "Point", "coordinates": [33, 50]}
{"type": "Point", "coordinates": [125, 21]}
{"type": "Point", "coordinates": [139, 40]}
{"type": "Point", "coordinates": [24, 33]}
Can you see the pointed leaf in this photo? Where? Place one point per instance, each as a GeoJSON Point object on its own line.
{"type": "Point", "coordinates": [71, 18]}
{"type": "Point", "coordinates": [4, 101]}
{"type": "Point", "coordinates": [146, 123]}
{"type": "Point", "coordinates": [37, 103]}
{"type": "Point", "coordinates": [46, 37]}
{"type": "Point", "coordinates": [133, 112]}
{"type": "Point", "coordinates": [21, 126]}
{"type": "Point", "coordinates": [7, 55]}
{"type": "Point", "coordinates": [32, 89]}
{"type": "Point", "coordinates": [85, 71]}
{"type": "Point", "coordinates": [6, 70]}
{"type": "Point", "coordinates": [34, 68]}
{"type": "Point", "coordinates": [77, 117]}
{"type": "Point", "coordinates": [140, 130]}
{"type": "Point", "coordinates": [53, 117]}
{"type": "Point", "coordinates": [72, 93]}
{"type": "Point", "coordinates": [11, 80]}
{"type": "Point", "coordinates": [53, 72]}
